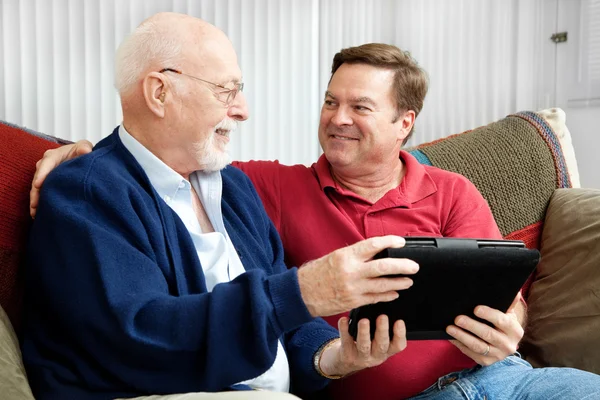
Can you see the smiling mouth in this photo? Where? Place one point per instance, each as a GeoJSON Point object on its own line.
{"type": "Point", "coordinates": [223, 132]}
{"type": "Point", "coordinates": [342, 137]}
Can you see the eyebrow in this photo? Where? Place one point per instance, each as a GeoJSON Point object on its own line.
{"type": "Point", "coordinates": [362, 99]}
{"type": "Point", "coordinates": [232, 79]}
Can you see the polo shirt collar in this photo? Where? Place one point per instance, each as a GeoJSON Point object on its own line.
{"type": "Point", "coordinates": [416, 185]}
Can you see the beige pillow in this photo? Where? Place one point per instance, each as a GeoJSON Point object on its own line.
{"type": "Point", "coordinates": [556, 118]}
{"type": "Point", "coordinates": [13, 381]}
{"type": "Point", "coordinates": [564, 301]}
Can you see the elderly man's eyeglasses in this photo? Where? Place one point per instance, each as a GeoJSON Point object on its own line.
{"type": "Point", "coordinates": [224, 94]}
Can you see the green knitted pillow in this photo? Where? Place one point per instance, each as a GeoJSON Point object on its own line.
{"type": "Point", "coordinates": [516, 163]}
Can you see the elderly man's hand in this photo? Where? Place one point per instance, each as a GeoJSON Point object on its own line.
{"type": "Point", "coordinates": [349, 277]}
{"type": "Point", "coordinates": [347, 356]}
{"type": "Point", "coordinates": [484, 344]}
{"type": "Point", "coordinates": [52, 158]}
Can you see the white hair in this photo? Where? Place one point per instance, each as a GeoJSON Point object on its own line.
{"type": "Point", "coordinates": [150, 44]}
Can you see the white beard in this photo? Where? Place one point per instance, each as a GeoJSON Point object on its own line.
{"type": "Point", "coordinates": [209, 155]}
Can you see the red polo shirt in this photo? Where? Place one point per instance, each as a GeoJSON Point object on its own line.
{"type": "Point", "coordinates": [315, 216]}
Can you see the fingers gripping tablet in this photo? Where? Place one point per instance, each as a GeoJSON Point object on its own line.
{"type": "Point", "coordinates": [455, 275]}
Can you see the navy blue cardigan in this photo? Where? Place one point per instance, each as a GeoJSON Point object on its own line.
{"type": "Point", "coordinates": [116, 301]}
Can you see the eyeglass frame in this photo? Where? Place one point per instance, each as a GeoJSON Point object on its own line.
{"type": "Point", "coordinates": [231, 93]}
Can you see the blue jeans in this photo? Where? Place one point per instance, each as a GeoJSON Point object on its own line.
{"type": "Point", "coordinates": [514, 378]}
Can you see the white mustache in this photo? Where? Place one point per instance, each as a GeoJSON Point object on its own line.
{"type": "Point", "coordinates": [227, 125]}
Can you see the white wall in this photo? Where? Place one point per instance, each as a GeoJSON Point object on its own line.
{"type": "Point", "coordinates": [575, 81]}
{"type": "Point", "coordinates": [584, 125]}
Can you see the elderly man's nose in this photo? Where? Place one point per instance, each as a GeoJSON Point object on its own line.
{"type": "Point", "coordinates": [238, 109]}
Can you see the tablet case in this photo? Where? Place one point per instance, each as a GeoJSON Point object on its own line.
{"type": "Point", "coordinates": [455, 275]}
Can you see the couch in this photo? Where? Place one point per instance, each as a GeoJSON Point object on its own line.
{"type": "Point", "coordinates": [525, 167]}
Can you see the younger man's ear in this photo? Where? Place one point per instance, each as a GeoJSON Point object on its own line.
{"type": "Point", "coordinates": [406, 121]}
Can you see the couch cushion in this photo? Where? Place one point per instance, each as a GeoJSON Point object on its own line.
{"type": "Point", "coordinates": [13, 381]}
{"type": "Point", "coordinates": [516, 163]}
{"type": "Point", "coordinates": [564, 300]}
{"type": "Point", "coordinates": [20, 149]}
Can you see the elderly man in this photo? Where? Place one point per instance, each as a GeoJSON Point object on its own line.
{"type": "Point", "coordinates": [365, 186]}
{"type": "Point", "coordinates": [154, 268]}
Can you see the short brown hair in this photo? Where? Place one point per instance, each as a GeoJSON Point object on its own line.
{"type": "Point", "coordinates": [410, 80]}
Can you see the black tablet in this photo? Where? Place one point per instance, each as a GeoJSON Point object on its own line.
{"type": "Point", "coordinates": [455, 275]}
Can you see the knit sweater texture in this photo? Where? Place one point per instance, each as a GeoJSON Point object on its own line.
{"type": "Point", "coordinates": [116, 301]}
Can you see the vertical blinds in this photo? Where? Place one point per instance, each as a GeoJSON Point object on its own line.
{"type": "Point", "coordinates": [56, 70]}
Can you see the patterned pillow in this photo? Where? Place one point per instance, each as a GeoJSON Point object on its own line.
{"type": "Point", "coordinates": [19, 151]}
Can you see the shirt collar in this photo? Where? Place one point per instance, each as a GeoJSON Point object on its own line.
{"type": "Point", "coordinates": [164, 179]}
{"type": "Point", "coordinates": [416, 184]}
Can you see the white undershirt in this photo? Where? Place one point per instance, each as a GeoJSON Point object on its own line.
{"type": "Point", "coordinates": [218, 257]}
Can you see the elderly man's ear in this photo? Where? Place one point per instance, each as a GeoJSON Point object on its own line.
{"type": "Point", "coordinates": [155, 93]}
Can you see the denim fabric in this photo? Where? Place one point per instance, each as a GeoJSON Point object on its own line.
{"type": "Point", "coordinates": [514, 378]}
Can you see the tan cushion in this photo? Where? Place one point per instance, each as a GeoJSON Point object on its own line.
{"type": "Point", "coordinates": [13, 381]}
{"type": "Point", "coordinates": [564, 301]}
